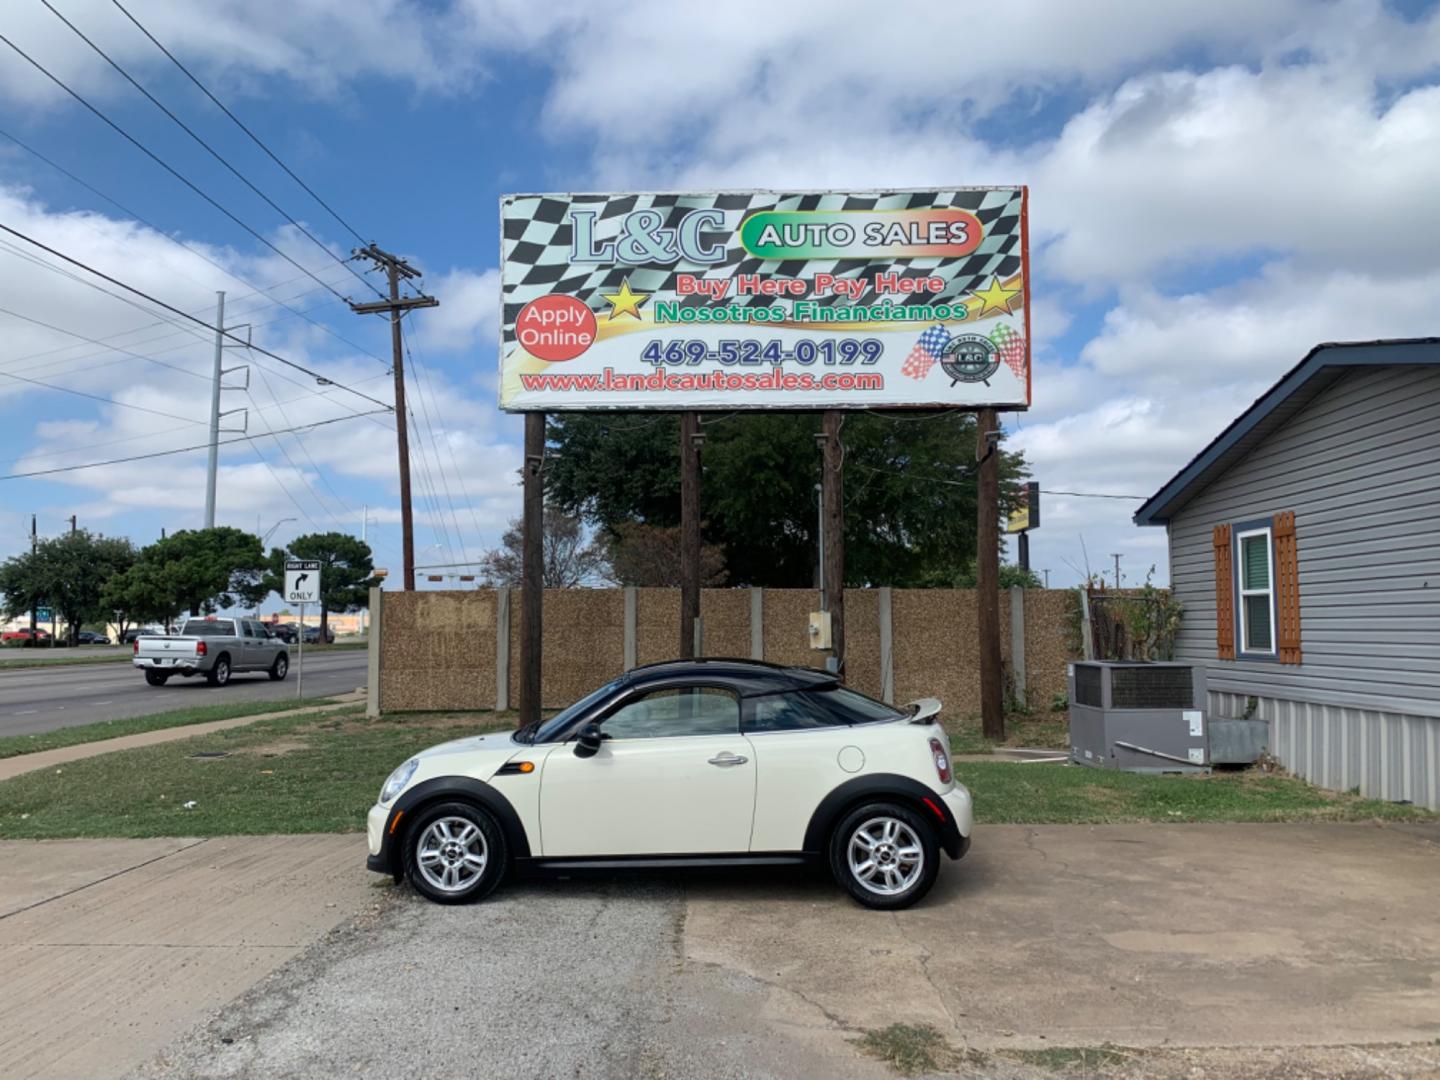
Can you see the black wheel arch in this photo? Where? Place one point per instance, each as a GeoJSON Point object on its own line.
{"type": "Point", "coordinates": [413, 802]}
{"type": "Point", "coordinates": [890, 787]}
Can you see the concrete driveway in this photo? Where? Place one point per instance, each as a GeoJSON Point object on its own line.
{"type": "Point", "coordinates": [109, 949]}
{"type": "Point", "coordinates": [1238, 951]}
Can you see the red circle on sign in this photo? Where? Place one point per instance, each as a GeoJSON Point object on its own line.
{"type": "Point", "coordinates": [555, 328]}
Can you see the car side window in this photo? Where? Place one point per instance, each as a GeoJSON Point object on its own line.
{"type": "Point", "coordinates": [678, 711]}
{"type": "Point", "coordinates": [796, 711]}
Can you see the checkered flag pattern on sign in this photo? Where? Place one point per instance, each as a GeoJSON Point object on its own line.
{"type": "Point", "coordinates": [537, 237]}
{"type": "Point", "coordinates": [926, 352]}
{"type": "Point", "coordinates": [1011, 346]}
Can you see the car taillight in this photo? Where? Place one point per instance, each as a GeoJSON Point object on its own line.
{"type": "Point", "coordinates": [942, 760]}
{"type": "Point", "coordinates": [199, 648]}
{"type": "Point", "coordinates": [135, 646]}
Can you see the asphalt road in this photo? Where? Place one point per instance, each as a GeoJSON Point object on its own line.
{"type": "Point", "coordinates": [43, 699]}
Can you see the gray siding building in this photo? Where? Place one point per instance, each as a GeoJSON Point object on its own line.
{"type": "Point", "coordinates": [1305, 547]}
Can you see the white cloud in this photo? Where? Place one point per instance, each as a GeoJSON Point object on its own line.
{"type": "Point", "coordinates": [139, 407]}
{"type": "Point", "coordinates": [468, 316]}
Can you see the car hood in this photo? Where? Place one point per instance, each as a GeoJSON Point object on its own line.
{"type": "Point", "coordinates": [475, 755]}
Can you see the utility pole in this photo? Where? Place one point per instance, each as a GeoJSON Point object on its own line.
{"type": "Point", "coordinates": [395, 269]}
{"type": "Point", "coordinates": [73, 526]}
{"type": "Point", "coordinates": [1047, 577]}
{"type": "Point", "coordinates": [1116, 556]}
{"type": "Point", "coordinates": [690, 440]}
{"type": "Point", "coordinates": [215, 411]}
{"type": "Point", "coordinates": [987, 574]}
{"type": "Point", "coordinates": [532, 577]}
{"type": "Point", "coordinates": [832, 498]}
{"type": "Point", "coordinates": [34, 543]}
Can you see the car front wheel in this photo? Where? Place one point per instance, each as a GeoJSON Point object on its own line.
{"type": "Point", "coordinates": [156, 678]}
{"type": "Point", "coordinates": [884, 855]}
{"type": "Point", "coordinates": [280, 668]}
{"type": "Point", "coordinates": [219, 674]}
{"type": "Point", "coordinates": [455, 853]}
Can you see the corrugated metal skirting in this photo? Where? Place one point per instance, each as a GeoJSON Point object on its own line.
{"type": "Point", "coordinates": [1386, 755]}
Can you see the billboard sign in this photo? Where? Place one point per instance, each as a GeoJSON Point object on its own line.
{"type": "Point", "coordinates": [1024, 518]}
{"type": "Point", "coordinates": [763, 299]}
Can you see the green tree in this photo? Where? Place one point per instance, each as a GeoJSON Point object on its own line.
{"type": "Point", "coordinates": [910, 490]}
{"type": "Point", "coordinates": [67, 573]}
{"type": "Point", "coordinates": [347, 571]}
{"type": "Point", "coordinates": [201, 570]}
{"type": "Point", "coordinates": [1012, 576]}
{"type": "Point", "coordinates": [139, 594]}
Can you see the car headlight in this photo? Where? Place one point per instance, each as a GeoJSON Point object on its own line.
{"type": "Point", "coordinates": [398, 779]}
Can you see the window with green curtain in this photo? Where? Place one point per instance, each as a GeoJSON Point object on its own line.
{"type": "Point", "coordinates": [1257, 597]}
{"type": "Point", "coordinates": [1254, 563]}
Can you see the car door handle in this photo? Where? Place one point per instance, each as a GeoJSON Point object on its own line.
{"type": "Point", "coordinates": [727, 759]}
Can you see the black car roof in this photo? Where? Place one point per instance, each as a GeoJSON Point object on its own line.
{"type": "Point", "coordinates": [746, 677]}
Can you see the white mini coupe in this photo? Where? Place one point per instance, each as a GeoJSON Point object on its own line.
{"type": "Point", "coordinates": [686, 763]}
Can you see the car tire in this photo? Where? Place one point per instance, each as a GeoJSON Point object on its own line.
{"type": "Point", "coordinates": [884, 855]}
{"type": "Point", "coordinates": [156, 678]}
{"type": "Point", "coordinates": [441, 849]}
{"type": "Point", "coordinates": [219, 673]}
{"type": "Point", "coordinates": [280, 668]}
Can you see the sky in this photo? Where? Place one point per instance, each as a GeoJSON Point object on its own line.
{"type": "Point", "coordinates": [1214, 189]}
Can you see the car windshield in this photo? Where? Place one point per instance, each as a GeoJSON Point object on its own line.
{"type": "Point", "coordinates": [561, 720]}
{"type": "Point", "coordinates": [209, 628]}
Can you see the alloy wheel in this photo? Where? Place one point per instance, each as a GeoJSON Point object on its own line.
{"type": "Point", "coordinates": [452, 854]}
{"type": "Point", "coordinates": [885, 856]}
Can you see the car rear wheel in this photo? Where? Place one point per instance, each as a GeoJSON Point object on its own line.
{"type": "Point", "coordinates": [455, 853]}
{"type": "Point", "coordinates": [219, 674]}
{"type": "Point", "coordinates": [156, 678]}
{"type": "Point", "coordinates": [884, 855]}
{"type": "Point", "coordinates": [280, 668]}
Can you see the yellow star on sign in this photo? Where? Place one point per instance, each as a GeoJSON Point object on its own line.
{"type": "Point", "coordinates": [624, 302]}
{"type": "Point", "coordinates": [995, 298]}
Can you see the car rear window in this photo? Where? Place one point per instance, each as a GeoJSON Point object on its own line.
{"type": "Point", "coordinates": [209, 628]}
{"type": "Point", "coordinates": [799, 710]}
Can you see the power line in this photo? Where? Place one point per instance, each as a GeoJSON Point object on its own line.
{"type": "Point", "coordinates": [254, 138]}
{"type": "Point", "coordinates": [160, 161]}
{"type": "Point", "coordinates": [186, 315]}
{"type": "Point", "coordinates": [106, 343]}
{"type": "Point", "coordinates": [421, 383]}
{"type": "Point", "coordinates": [1093, 495]}
{"type": "Point", "coordinates": [178, 450]}
{"type": "Point", "coordinates": [51, 452]}
{"type": "Point", "coordinates": [210, 149]}
{"type": "Point", "coordinates": [196, 251]}
{"type": "Point", "coordinates": [459, 473]}
{"type": "Point", "coordinates": [96, 397]}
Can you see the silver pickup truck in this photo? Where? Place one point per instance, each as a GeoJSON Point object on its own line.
{"type": "Point", "coordinates": [215, 648]}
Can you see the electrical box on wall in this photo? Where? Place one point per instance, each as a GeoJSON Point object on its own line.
{"type": "Point", "coordinates": [819, 629]}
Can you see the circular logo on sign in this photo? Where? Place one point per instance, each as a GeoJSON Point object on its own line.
{"type": "Point", "coordinates": [970, 358]}
{"type": "Point", "coordinates": [555, 328]}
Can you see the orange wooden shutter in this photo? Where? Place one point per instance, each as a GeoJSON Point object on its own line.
{"type": "Point", "coordinates": [1224, 594]}
{"type": "Point", "coordinates": [1287, 588]}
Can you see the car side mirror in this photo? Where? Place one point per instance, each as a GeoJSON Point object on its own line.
{"type": "Point", "coordinates": [587, 743]}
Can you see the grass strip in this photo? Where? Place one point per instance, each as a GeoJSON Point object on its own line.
{"type": "Point", "coordinates": [27, 658]}
{"type": "Point", "coordinates": [312, 773]}
{"type": "Point", "coordinates": [11, 745]}
{"type": "Point", "coordinates": [285, 774]}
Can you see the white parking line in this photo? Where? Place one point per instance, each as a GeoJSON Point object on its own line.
{"type": "Point", "coordinates": [26, 712]}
